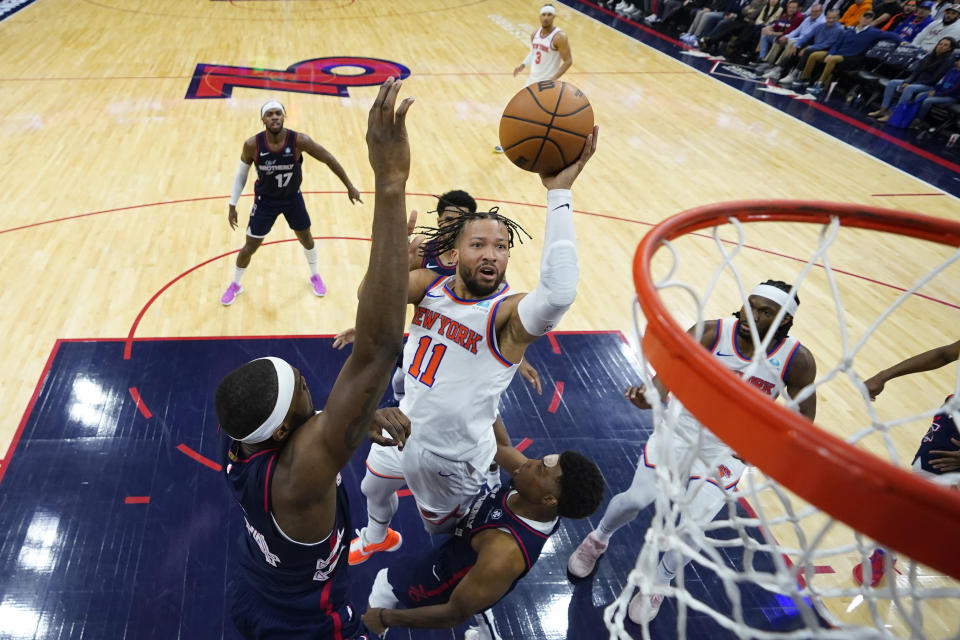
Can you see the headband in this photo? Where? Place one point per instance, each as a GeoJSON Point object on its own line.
{"type": "Point", "coordinates": [779, 296]}
{"type": "Point", "coordinates": [548, 9]}
{"type": "Point", "coordinates": [285, 383]}
{"type": "Point", "coordinates": [272, 104]}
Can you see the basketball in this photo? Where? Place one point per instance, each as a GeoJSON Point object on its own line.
{"type": "Point", "coordinates": [544, 127]}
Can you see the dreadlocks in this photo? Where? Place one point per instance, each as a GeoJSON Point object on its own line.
{"type": "Point", "coordinates": [784, 328]}
{"type": "Point", "coordinates": [446, 237]}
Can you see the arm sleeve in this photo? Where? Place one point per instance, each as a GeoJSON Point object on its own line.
{"type": "Point", "coordinates": [238, 182]}
{"type": "Point", "coordinates": [529, 59]}
{"type": "Point", "coordinates": [541, 309]}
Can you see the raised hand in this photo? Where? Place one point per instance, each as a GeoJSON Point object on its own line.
{"type": "Point", "coordinates": [388, 146]}
{"type": "Point", "coordinates": [565, 177]}
{"type": "Point", "coordinates": [394, 422]}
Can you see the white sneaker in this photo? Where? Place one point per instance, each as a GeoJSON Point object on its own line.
{"type": "Point", "coordinates": [635, 609]}
{"type": "Point", "coordinates": [584, 558]}
{"type": "Point", "coordinates": [773, 74]}
{"type": "Point", "coordinates": [650, 19]}
{"type": "Point", "coordinates": [788, 80]}
{"type": "Point", "coordinates": [484, 628]}
{"type": "Point", "coordinates": [620, 6]}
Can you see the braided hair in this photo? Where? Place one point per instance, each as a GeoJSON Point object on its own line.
{"type": "Point", "coordinates": [784, 328]}
{"type": "Point", "coordinates": [445, 238]}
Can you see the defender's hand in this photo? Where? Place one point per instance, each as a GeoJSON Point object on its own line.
{"type": "Point", "coordinates": [388, 146]}
{"type": "Point", "coordinates": [635, 396]}
{"type": "Point", "coordinates": [354, 195]}
{"type": "Point", "coordinates": [232, 217]}
{"type": "Point", "coordinates": [394, 422]}
{"type": "Point", "coordinates": [344, 338]}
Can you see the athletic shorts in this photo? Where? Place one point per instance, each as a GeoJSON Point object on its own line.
{"type": "Point", "coordinates": [716, 465]}
{"type": "Point", "coordinates": [265, 211]}
{"type": "Point", "coordinates": [443, 489]}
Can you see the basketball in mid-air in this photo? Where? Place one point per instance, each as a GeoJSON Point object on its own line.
{"type": "Point", "coordinates": [544, 127]}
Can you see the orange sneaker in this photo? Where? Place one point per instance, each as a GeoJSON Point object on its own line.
{"type": "Point", "coordinates": [360, 551]}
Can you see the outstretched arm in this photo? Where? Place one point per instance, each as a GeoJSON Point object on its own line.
{"type": "Point", "coordinates": [527, 317]}
{"type": "Point", "coordinates": [926, 361]}
{"type": "Point", "coordinates": [307, 143]}
{"type": "Point", "coordinates": [499, 563]}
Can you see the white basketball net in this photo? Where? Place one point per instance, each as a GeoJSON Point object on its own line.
{"type": "Point", "coordinates": [788, 546]}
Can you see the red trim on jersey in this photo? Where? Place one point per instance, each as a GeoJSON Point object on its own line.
{"type": "Point", "coordinates": [423, 594]}
{"type": "Point", "coordinates": [492, 336]}
{"type": "Point", "coordinates": [716, 340]}
{"type": "Point", "coordinates": [325, 597]}
{"type": "Point", "coordinates": [507, 509]}
{"type": "Point", "coordinates": [382, 475]}
{"type": "Point", "coordinates": [259, 453]}
{"type": "Point", "coordinates": [266, 486]}
{"type": "Point", "coordinates": [523, 549]}
{"type": "Point", "coordinates": [441, 520]}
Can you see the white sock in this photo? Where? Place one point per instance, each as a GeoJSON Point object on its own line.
{"type": "Point", "coordinates": [312, 259]}
{"type": "Point", "coordinates": [238, 273]}
{"type": "Point", "coordinates": [375, 531]}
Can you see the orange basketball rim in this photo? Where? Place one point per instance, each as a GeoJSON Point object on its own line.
{"type": "Point", "coordinates": [838, 478]}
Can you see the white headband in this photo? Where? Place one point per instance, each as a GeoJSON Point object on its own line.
{"type": "Point", "coordinates": [285, 383]}
{"type": "Point", "coordinates": [548, 9]}
{"type": "Point", "coordinates": [272, 104]}
{"type": "Point", "coordinates": [779, 296]}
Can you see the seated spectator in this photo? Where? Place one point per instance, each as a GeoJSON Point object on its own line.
{"type": "Point", "coordinates": [886, 12]}
{"type": "Point", "coordinates": [677, 14]}
{"type": "Point", "coordinates": [706, 18]}
{"type": "Point", "coordinates": [851, 17]}
{"type": "Point", "coordinates": [729, 27]}
{"type": "Point", "coordinates": [923, 77]}
{"type": "Point", "coordinates": [946, 27]}
{"type": "Point", "coordinates": [745, 44]}
{"type": "Point", "coordinates": [911, 26]}
{"type": "Point", "coordinates": [783, 50]}
{"type": "Point", "coordinates": [947, 91]}
{"type": "Point", "coordinates": [818, 41]}
{"type": "Point", "coordinates": [848, 50]}
{"type": "Point", "coordinates": [788, 21]}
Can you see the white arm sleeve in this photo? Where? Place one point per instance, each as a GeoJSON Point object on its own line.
{"type": "Point", "coordinates": [238, 182]}
{"type": "Point", "coordinates": [541, 309]}
{"type": "Point", "coordinates": [526, 61]}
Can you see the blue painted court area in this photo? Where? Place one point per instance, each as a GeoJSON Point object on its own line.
{"type": "Point", "coordinates": [117, 524]}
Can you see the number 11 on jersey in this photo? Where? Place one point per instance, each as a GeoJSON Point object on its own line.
{"type": "Point", "coordinates": [427, 375]}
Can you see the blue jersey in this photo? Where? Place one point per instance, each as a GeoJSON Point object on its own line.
{"type": "Point", "coordinates": [937, 439]}
{"type": "Point", "coordinates": [278, 172]}
{"type": "Point", "coordinates": [432, 262]}
{"type": "Point", "coordinates": [282, 586]}
{"type": "Point", "coordinates": [430, 578]}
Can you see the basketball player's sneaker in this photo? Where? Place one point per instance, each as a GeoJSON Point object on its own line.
{"type": "Point", "coordinates": [584, 558]}
{"type": "Point", "coordinates": [878, 566]}
{"type": "Point", "coordinates": [361, 550]}
{"type": "Point", "coordinates": [319, 289]}
{"type": "Point", "coordinates": [635, 608]}
{"type": "Point", "coordinates": [230, 295]}
{"type": "Point", "coordinates": [498, 149]}
{"type": "Point", "coordinates": [493, 477]}
{"type": "Point", "coordinates": [483, 628]}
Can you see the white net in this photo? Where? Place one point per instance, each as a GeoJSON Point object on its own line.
{"type": "Point", "coordinates": [770, 565]}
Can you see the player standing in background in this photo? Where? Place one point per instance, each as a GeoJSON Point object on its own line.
{"type": "Point", "coordinates": [550, 54]}
{"type": "Point", "coordinates": [278, 154]}
{"type": "Point", "coordinates": [282, 460]}
{"type": "Point", "coordinates": [787, 365]}
{"type": "Point", "coordinates": [939, 450]}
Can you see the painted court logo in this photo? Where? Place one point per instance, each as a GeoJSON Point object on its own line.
{"type": "Point", "coordinates": [322, 76]}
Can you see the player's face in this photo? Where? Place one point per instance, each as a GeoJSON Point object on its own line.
{"type": "Point", "coordinates": [764, 311]}
{"type": "Point", "coordinates": [546, 20]}
{"type": "Point", "coordinates": [449, 214]}
{"type": "Point", "coordinates": [536, 481]}
{"type": "Point", "coordinates": [482, 255]}
{"type": "Point", "coordinates": [301, 406]}
{"type": "Point", "coordinates": [273, 120]}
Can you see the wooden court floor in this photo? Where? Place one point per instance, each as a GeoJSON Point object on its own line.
{"type": "Point", "coordinates": [113, 220]}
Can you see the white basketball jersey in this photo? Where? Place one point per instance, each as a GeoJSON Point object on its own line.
{"type": "Point", "coordinates": [767, 375]}
{"type": "Point", "coordinates": [454, 374]}
{"type": "Point", "coordinates": [546, 59]}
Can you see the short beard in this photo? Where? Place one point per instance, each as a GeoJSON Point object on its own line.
{"type": "Point", "coordinates": [474, 287]}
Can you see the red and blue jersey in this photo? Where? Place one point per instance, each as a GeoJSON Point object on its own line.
{"type": "Point", "coordinates": [937, 438]}
{"type": "Point", "coordinates": [279, 173]}
{"type": "Point", "coordinates": [431, 260]}
{"type": "Point", "coordinates": [279, 582]}
{"type": "Point", "coordinates": [431, 577]}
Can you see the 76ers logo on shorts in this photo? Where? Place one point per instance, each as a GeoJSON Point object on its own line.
{"type": "Point", "coordinates": [323, 76]}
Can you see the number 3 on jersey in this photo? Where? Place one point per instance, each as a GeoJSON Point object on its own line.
{"type": "Point", "coordinates": [427, 376]}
